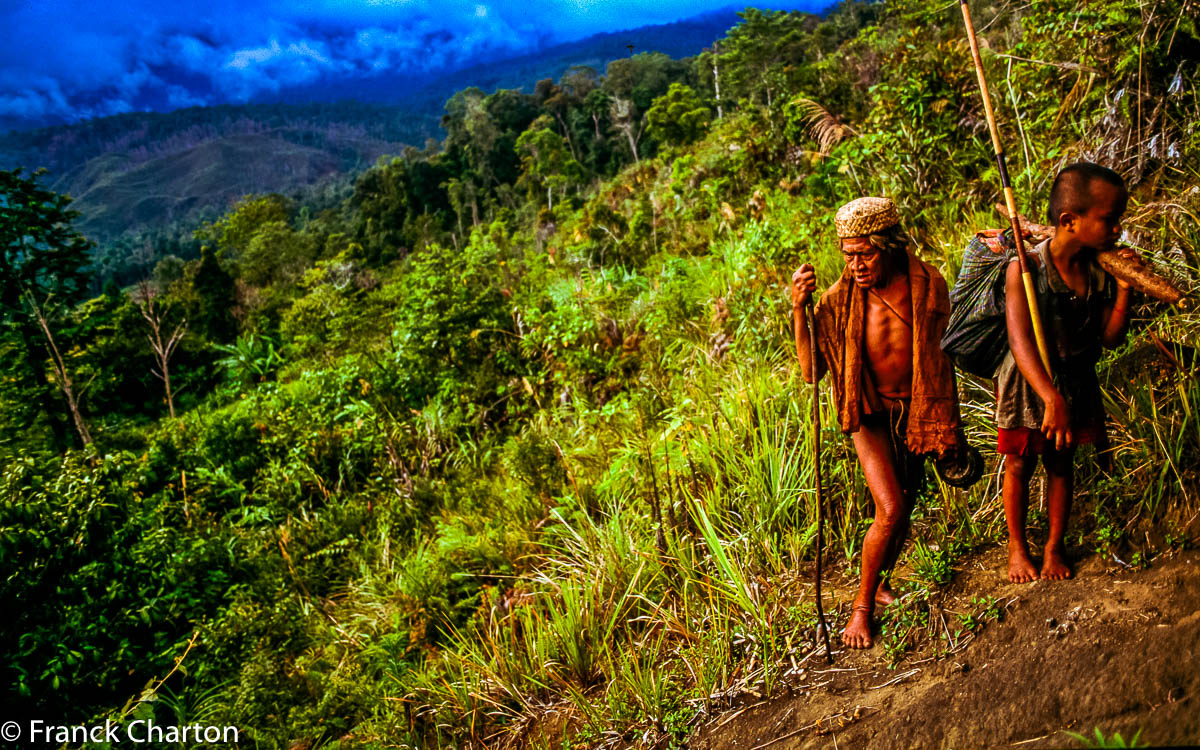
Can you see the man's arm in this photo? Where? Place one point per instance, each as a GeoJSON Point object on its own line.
{"type": "Point", "coordinates": [1056, 419]}
{"type": "Point", "coordinates": [1116, 317]}
{"type": "Point", "coordinates": [804, 283]}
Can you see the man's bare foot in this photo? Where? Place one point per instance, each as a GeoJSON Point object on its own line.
{"type": "Point", "coordinates": [1055, 567]}
{"type": "Point", "coordinates": [1020, 567]}
{"type": "Point", "coordinates": [858, 630]}
{"type": "Point", "coordinates": [884, 594]}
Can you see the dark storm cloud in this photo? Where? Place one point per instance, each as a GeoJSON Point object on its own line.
{"type": "Point", "coordinates": [66, 60]}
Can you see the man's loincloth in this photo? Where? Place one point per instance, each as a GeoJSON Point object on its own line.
{"type": "Point", "coordinates": [893, 415]}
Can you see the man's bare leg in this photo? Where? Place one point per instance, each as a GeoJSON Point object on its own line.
{"type": "Point", "coordinates": [884, 595]}
{"type": "Point", "coordinates": [1060, 485]}
{"type": "Point", "coordinates": [1018, 471]}
{"type": "Point", "coordinates": [872, 443]}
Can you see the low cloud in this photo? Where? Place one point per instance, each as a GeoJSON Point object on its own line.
{"type": "Point", "coordinates": [111, 58]}
{"type": "Point", "coordinates": [40, 99]}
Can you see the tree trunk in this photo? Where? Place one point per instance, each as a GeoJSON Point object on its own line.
{"type": "Point", "coordinates": [717, 86]}
{"type": "Point", "coordinates": [64, 379]}
{"type": "Point", "coordinates": [567, 135]}
{"type": "Point", "coordinates": [50, 406]}
{"type": "Point", "coordinates": [162, 350]}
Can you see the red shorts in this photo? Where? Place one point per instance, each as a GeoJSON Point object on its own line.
{"type": "Point", "coordinates": [1026, 441]}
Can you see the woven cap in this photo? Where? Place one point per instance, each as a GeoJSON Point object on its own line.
{"type": "Point", "coordinates": [865, 216]}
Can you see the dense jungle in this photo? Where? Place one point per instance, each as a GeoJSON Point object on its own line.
{"type": "Point", "coordinates": [503, 442]}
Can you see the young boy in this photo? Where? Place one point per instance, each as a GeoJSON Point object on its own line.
{"type": "Point", "coordinates": [878, 330]}
{"type": "Point", "coordinates": [1047, 415]}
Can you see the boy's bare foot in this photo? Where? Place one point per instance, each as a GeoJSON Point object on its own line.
{"type": "Point", "coordinates": [884, 594]}
{"type": "Point", "coordinates": [1020, 566]}
{"type": "Point", "coordinates": [858, 630]}
{"type": "Point", "coordinates": [1055, 567]}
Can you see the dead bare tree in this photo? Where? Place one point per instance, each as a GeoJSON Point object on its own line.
{"type": "Point", "coordinates": [156, 316]}
{"type": "Point", "coordinates": [715, 56]}
{"type": "Point", "coordinates": [624, 117]}
{"type": "Point", "coordinates": [61, 375]}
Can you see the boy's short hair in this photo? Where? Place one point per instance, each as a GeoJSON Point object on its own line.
{"type": "Point", "coordinates": [1072, 192]}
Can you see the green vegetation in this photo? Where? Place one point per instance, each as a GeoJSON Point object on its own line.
{"type": "Point", "coordinates": [510, 439]}
{"type": "Point", "coordinates": [1099, 740]}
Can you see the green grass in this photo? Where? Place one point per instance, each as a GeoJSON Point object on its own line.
{"type": "Point", "coordinates": [1098, 740]}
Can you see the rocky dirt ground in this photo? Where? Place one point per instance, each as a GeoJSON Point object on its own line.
{"type": "Point", "coordinates": [1114, 648]}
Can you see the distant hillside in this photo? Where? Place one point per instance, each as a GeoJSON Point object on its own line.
{"type": "Point", "coordinates": [142, 171]}
{"type": "Point", "coordinates": [214, 173]}
{"type": "Point", "coordinates": [138, 172]}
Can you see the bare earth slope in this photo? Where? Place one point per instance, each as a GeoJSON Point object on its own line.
{"type": "Point", "coordinates": [1115, 649]}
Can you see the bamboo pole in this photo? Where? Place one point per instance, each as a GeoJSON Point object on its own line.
{"type": "Point", "coordinates": [1010, 201]}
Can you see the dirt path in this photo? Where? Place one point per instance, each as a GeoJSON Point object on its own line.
{"type": "Point", "coordinates": [1115, 649]}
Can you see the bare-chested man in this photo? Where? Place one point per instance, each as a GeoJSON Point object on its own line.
{"type": "Point", "coordinates": [878, 333]}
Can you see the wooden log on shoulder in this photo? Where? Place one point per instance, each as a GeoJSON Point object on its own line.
{"type": "Point", "coordinates": [1137, 274]}
{"type": "Point", "coordinates": [1133, 271]}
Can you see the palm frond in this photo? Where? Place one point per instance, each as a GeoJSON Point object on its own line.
{"type": "Point", "coordinates": [824, 127]}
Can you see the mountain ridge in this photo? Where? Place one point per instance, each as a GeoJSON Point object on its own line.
{"type": "Point", "coordinates": [121, 169]}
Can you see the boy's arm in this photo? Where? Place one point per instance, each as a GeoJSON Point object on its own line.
{"type": "Point", "coordinates": [804, 283]}
{"type": "Point", "coordinates": [1116, 317]}
{"type": "Point", "coordinates": [1056, 419]}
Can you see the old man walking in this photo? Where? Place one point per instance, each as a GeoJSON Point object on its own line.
{"type": "Point", "coordinates": [878, 329]}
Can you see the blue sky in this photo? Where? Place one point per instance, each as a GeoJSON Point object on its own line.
{"type": "Point", "coordinates": [64, 60]}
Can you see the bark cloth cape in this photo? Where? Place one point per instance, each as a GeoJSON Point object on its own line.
{"type": "Point", "coordinates": [933, 421]}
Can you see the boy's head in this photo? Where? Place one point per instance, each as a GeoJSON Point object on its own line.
{"type": "Point", "coordinates": [1087, 201]}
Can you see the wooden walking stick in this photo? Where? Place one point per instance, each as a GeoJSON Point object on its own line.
{"type": "Point", "coordinates": [822, 628]}
{"type": "Point", "coordinates": [1035, 317]}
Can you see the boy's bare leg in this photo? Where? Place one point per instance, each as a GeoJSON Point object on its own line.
{"type": "Point", "coordinates": [1060, 485]}
{"type": "Point", "coordinates": [1018, 470]}
{"type": "Point", "coordinates": [873, 445]}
